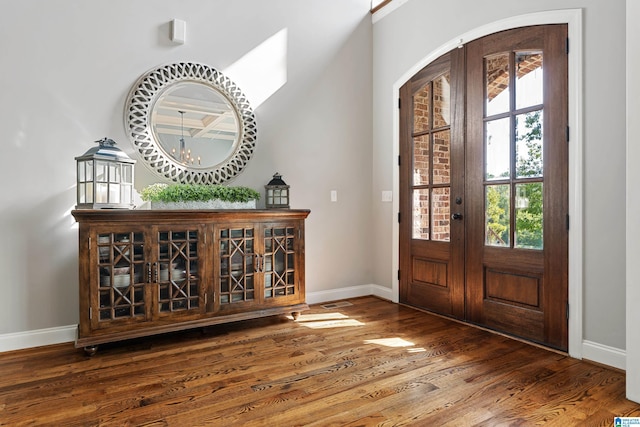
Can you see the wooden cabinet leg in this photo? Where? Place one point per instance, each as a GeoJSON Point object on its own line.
{"type": "Point", "coordinates": [295, 315]}
{"type": "Point", "coordinates": [91, 350]}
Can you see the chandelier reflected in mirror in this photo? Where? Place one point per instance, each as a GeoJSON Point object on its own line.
{"type": "Point", "coordinates": [184, 154]}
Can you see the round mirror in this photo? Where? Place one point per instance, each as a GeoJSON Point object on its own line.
{"type": "Point", "coordinates": [190, 123]}
{"type": "Point", "coordinates": [195, 125]}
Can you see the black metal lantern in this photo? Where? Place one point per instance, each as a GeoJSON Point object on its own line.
{"type": "Point", "coordinates": [105, 177]}
{"type": "Point", "coordinates": [277, 193]}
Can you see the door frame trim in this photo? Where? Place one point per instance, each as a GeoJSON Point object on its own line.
{"type": "Point", "coordinates": [573, 18]}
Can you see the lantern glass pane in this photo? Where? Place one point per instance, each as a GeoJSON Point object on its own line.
{"type": "Point", "coordinates": [81, 193]}
{"type": "Point", "coordinates": [102, 191]}
{"type": "Point", "coordinates": [126, 193]}
{"type": "Point", "coordinates": [89, 170]}
{"type": "Point", "coordinates": [269, 200]}
{"type": "Point", "coordinates": [101, 173]}
{"type": "Point", "coordinates": [284, 193]}
{"type": "Point", "coordinates": [127, 174]}
{"type": "Point", "coordinates": [89, 192]}
{"type": "Point", "coordinates": [114, 193]}
{"type": "Point", "coordinates": [81, 175]}
{"type": "Point", "coordinates": [114, 173]}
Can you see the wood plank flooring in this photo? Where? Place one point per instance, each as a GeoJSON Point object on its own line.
{"type": "Point", "coordinates": [371, 363]}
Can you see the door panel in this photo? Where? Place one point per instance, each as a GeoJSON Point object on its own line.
{"type": "Point", "coordinates": [517, 199]}
{"type": "Point", "coordinates": [431, 171]}
{"type": "Point", "coordinates": [484, 184]}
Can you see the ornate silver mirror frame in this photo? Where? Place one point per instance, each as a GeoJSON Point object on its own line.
{"type": "Point", "coordinates": [139, 110]}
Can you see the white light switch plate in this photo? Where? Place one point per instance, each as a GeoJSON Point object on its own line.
{"type": "Point", "coordinates": [387, 196]}
{"type": "Point", "coordinates": [334, 195]}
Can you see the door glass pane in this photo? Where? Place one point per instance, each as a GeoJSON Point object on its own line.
{"type": "Point", "coordinates": [441, 212]}
{"type": "Point", "coordinates": [529, 87]}
{"type": "Point", "coordinates": [529, 144]}
{"type": "Point", "coordinates": [441, 101]}
{"type": "Point", "coordinates": [496, 84]}
{"type": "Point", "coordinates": [421, 104]}
{"type": "Point", "coordinates": [497, 147]}
{"type": "Point", "coordinates": [497, 212]}
{"type": "Point", "coordinates": [421, 160]}
{"type": "Point", "coordinates": [279, 262]}
{"type": "Point", "coordinates": [421, 214]}
{"type": "Point", "coordinates": [529, 216]}
{"type": "Point", "coordinates": [442, 157]}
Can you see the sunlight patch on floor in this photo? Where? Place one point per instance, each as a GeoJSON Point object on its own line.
{"type": "Point", "coordinates": [396, 342]}
{"type": "Point", "coordinates": [327, 320]}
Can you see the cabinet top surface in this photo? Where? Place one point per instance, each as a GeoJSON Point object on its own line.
{"type": "Point", "coordinates": [195, 214]}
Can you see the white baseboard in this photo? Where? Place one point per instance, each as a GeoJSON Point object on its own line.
{"type": "Point", "coordinates": [348, 292]}
{"type": "Point", "coordinates": [604, 354]}
{"type": "Point", "coordinates": [37, 338]}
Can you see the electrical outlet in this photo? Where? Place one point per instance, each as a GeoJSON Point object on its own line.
{"type": "Point", "coordinates": [334, 195]}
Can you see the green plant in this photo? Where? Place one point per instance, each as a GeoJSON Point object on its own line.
{"type": "Point", "coordinates": [197, 192]}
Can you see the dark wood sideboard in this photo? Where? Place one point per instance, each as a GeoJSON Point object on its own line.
{"type": "Point", "coordinates": [144, 272]}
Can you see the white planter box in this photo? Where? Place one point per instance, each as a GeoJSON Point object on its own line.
{"type": "Point", "coordinates": [209, 204]}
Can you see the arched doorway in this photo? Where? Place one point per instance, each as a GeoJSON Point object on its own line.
{"type": "Point", "coordinates": [484, 184]}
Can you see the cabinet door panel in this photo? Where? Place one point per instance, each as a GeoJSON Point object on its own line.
{"type": "Point", "coordinates": [235, 261]}
{"type": "Point", "coordinates": [281, 265]}
{"type": "Point", "coordinates": [178, 270]}
{"type": "Point", "coordinates": [119, 277]}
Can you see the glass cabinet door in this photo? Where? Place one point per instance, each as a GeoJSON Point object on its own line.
{"type": "Point", "coordinates": [176, 270]}
{"type": "Point", "coordinates": [237, 269]}
{"type": "Point", "coordinates": [256, 264]}
{"type": "Point", "coordinates": [279, 261]}
{"type": "Point", "coordinates": [121, 277]}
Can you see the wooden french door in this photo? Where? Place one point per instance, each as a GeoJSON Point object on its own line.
{"type": "Point", "coordinates": [432, 187]}
{"type": "Point", "coordinates": [484, 185]}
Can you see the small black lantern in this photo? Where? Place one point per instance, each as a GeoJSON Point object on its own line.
{"type": "Point", "coordinates": [277, 193]}
{"type": "Point", "coordinates": [105, 177]}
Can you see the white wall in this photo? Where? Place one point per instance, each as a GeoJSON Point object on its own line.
{"type": "Point", "coordinates": [402, 38]}
{"type": "Point", "coordinates": [633, 202]}
{"type": "Point", "coordinates": [67, 67]}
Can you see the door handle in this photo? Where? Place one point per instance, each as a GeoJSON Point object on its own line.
{"type": "Point", "coordinates": [457, 216]}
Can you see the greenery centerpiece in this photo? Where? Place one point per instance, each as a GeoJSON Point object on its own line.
{"type": "Point", "coordinates": [199, 196]}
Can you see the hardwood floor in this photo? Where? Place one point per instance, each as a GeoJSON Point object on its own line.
{"type": "Point", "coordinates": [365, 364]}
